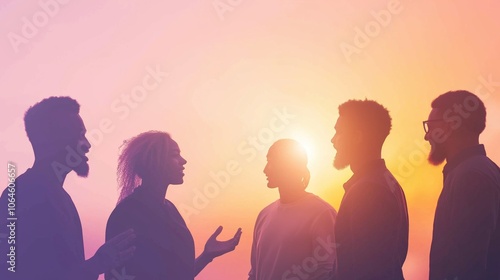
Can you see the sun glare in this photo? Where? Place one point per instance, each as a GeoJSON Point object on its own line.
{"type": "Point", "coordinates": [306, 142]}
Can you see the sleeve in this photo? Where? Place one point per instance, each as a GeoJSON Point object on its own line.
{"type": "Point", "coordinates": [372, 221]}
{"type": "Point", "coordinates": [323, 244]}
{"type": "Point", "coordinates": [117, 223]}
{"type": "Point", "coordinates": [474, 216]}
{"type": "Point", "coordinates": [147, 262]}
{"type": "Point", "coordinates": [253, 261]}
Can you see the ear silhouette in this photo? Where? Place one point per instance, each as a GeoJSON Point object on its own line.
{"type": "Point", "coordinates": [449, 130]}
{"type": "Point", "coordinates": [357, 137]}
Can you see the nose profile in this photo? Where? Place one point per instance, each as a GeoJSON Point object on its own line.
{"type": "Point", "coordinates": [334, 138]}
{"type": "Point", "coordinates": [87, 144]}
{"type": "Point", "coordinates": [265, 169]}
{"type": "Point", "coordinates": [83, 146]}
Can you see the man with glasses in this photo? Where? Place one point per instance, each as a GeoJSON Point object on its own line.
{"type": "Point", "coordinates": [466, 237]}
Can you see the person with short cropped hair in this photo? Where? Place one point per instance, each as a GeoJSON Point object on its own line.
{"type": "Point", "coordinates": [294, 236]}
{"type": "Point", "coordinates": [372, 223]}
{"type": "Point", "coordinates": [466, 235]}
{"type": "Point", "coordinates": [49, 239]}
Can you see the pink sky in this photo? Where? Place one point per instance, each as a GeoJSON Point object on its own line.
{"type": "Point", "coordinates": [227, 72]}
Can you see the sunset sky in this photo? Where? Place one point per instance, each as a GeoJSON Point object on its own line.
{"type": "Point", "coordinates": [227, 78]}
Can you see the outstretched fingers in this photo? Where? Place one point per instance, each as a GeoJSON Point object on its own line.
{"type": "Point", "coordinates": [237, 236]}
{"type": "Point", "coordinates": [216, 233]}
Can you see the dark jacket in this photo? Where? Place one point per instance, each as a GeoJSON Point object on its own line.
{"type": "Point", "coordinates": [48, 232]}
{"type": "Point", "coordinates": [372, 226]}
{"type": "Point", "coordinates": [466, 237]}
{"type": "Point", "coordinates": [164, 245]}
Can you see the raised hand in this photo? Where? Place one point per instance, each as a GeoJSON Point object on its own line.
{"type": "Point", "coordinates": [215, 248]}
{"type": "Point", "coordinates": [114, 252]}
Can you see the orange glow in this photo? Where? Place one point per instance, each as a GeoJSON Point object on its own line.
{"type": "Point", "coordinates": [227, 83]}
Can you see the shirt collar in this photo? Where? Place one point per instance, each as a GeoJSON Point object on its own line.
{"type": "Point", "coordinates": [462, 156]}
{"type": "Point", "coordinates": [368, 168]}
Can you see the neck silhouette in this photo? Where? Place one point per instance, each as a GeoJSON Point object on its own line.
{"type": "Point", "coordinates": [292, 192]}
{"type": "Point", "coordinates": [44, 171]}
{"type": "Point", "coordinates": [457, 144]}
{"type": "Point", "coordinates": [364, 157]}
{"type": "Point", "coordinates": [155, 190]}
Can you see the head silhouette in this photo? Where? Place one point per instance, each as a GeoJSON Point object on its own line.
{"type": "Point", "coordinates": [456, 117]}
{"type": "Point", "coordinates": [287, 165]}
{"type": "Point", "coordinates": [152, 158]}
{"type": "Point", "coordinates": [361, 129]}
{"type": "Point", "coordinates": [57, 133]}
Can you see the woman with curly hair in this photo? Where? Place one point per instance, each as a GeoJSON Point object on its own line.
{"type": "Point", "coordinates": [148, 164]}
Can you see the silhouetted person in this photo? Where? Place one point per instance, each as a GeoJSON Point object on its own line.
{"type": "Point", "coordinates": [293, 236]}
{"type": "Point", "coordinates": [148, 164]}
{"type": "Point", "coordinates": [49, 242]}
{"type": "Point", "coordinates": [372, 222]}
{"type": "Point", "coordinates": [466, 237]}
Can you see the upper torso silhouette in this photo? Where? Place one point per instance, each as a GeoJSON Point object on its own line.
{"type": "Point", "coordinates": [466, 238]}
{"type": "Point", "coordinates": [372, 226]}
{"type": "Point", "coordinates": [49, 241]}
{"type": "Point", "coordinates": [165, 247]}
{"type": "Point", "coordinates": [294, 240]}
